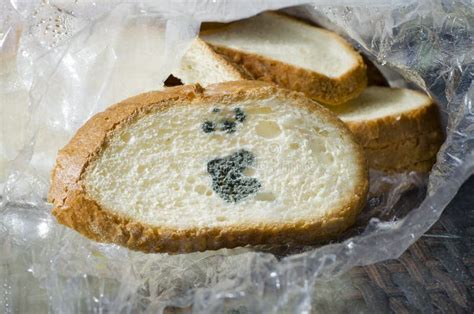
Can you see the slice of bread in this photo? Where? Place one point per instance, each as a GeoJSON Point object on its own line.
{"type": "Point", "coordinates": [202, 65]}
{"type": "Point", "coordinates": [190, 169]}
{"type": "Point", "coordinates": [294, 55]}
{"type": "Point", "coordinates": [397, 127]}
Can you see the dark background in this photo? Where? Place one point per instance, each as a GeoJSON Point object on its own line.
{"type": "Point", "coordinates": [435, 275]}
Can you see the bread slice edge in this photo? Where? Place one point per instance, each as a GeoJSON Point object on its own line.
{"type": "Point", "coordinates": [320, 87]}
{"type": "Point", "coordinates": [422, 120]}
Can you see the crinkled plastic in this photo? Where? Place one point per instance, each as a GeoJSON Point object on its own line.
{"type": "Point", "coordinates": [61, 62]}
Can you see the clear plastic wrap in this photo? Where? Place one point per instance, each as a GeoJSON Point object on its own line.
{"type": "Point", "coordinates": [62, 62]}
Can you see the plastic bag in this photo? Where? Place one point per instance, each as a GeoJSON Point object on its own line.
{"type": "Point", "coordinates": [62, 62]}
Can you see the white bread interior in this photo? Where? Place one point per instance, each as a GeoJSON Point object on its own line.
{"type": "Point", "coordinates": [378, 102]}
{"type": "Point", "coordinates": [289, 41]}
{"type": "Point", "coordinates": [155, 170]}
{"type": "Point", "coordinates": [200, 64]}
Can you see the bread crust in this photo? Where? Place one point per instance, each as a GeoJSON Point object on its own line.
{"type": "Point", "coordinates": [411, 141]}
{"type": "Point", "coordinates": [328, 90]}
{"type": "Point", "coordinates": [74, 208]}
{"type": "Point", "coordinates": [331, 91]}
{"type": "Point", "coordinates": [421, 166]}
{"type": "Point", "coordinates": [394, 128]}
{"type": "Point", "coordinates": [407, 141]}
{"type": "Point", "coordinates": [404, 156]}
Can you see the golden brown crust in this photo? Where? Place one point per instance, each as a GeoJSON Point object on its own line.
{"type": "Point", "coordinates": [422, 166]}
{"type": "Point", "coordinates": [412, 149]}
{"type": "Point", "coordinates": [407, 141]}
{"type": "Point", "coordinates": [403, 156]}
{"type": "Point", "coordinates": [391, 128]}
{"type": "Point", "coordinates": [430, 136]}
{"type": "Point", "coordinates": [328, 90]}
{"type": "Point", "coordinates": [73, 207]}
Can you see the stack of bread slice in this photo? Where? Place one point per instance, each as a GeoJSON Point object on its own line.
{"type": "Point", "coordinates": [398, 128]}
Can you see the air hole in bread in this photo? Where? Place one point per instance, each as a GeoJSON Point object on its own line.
{"type": "Point", "coordinates": [174, 186]}
{"type": "Point", "coordinates": [125, 137]}
{"type": "Point", "coordinates": [317, 146]}
{"type": "Point", "coordinates": [260, 110]}
{"type": "Point", "coordinates": [321, 132]}
{"type": "Point", "coordinates": [249, 172]}
{"type": "Point", "coordinates": [265, 196]}
{"type": "Point", "coordinates": [201, 189]}
{"type": "Point", "coordinates": [294, 146]}
{"type": "Point", "coordinates": [141, 168]}
{"type": "Point", "coordinates": [267, 129]}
